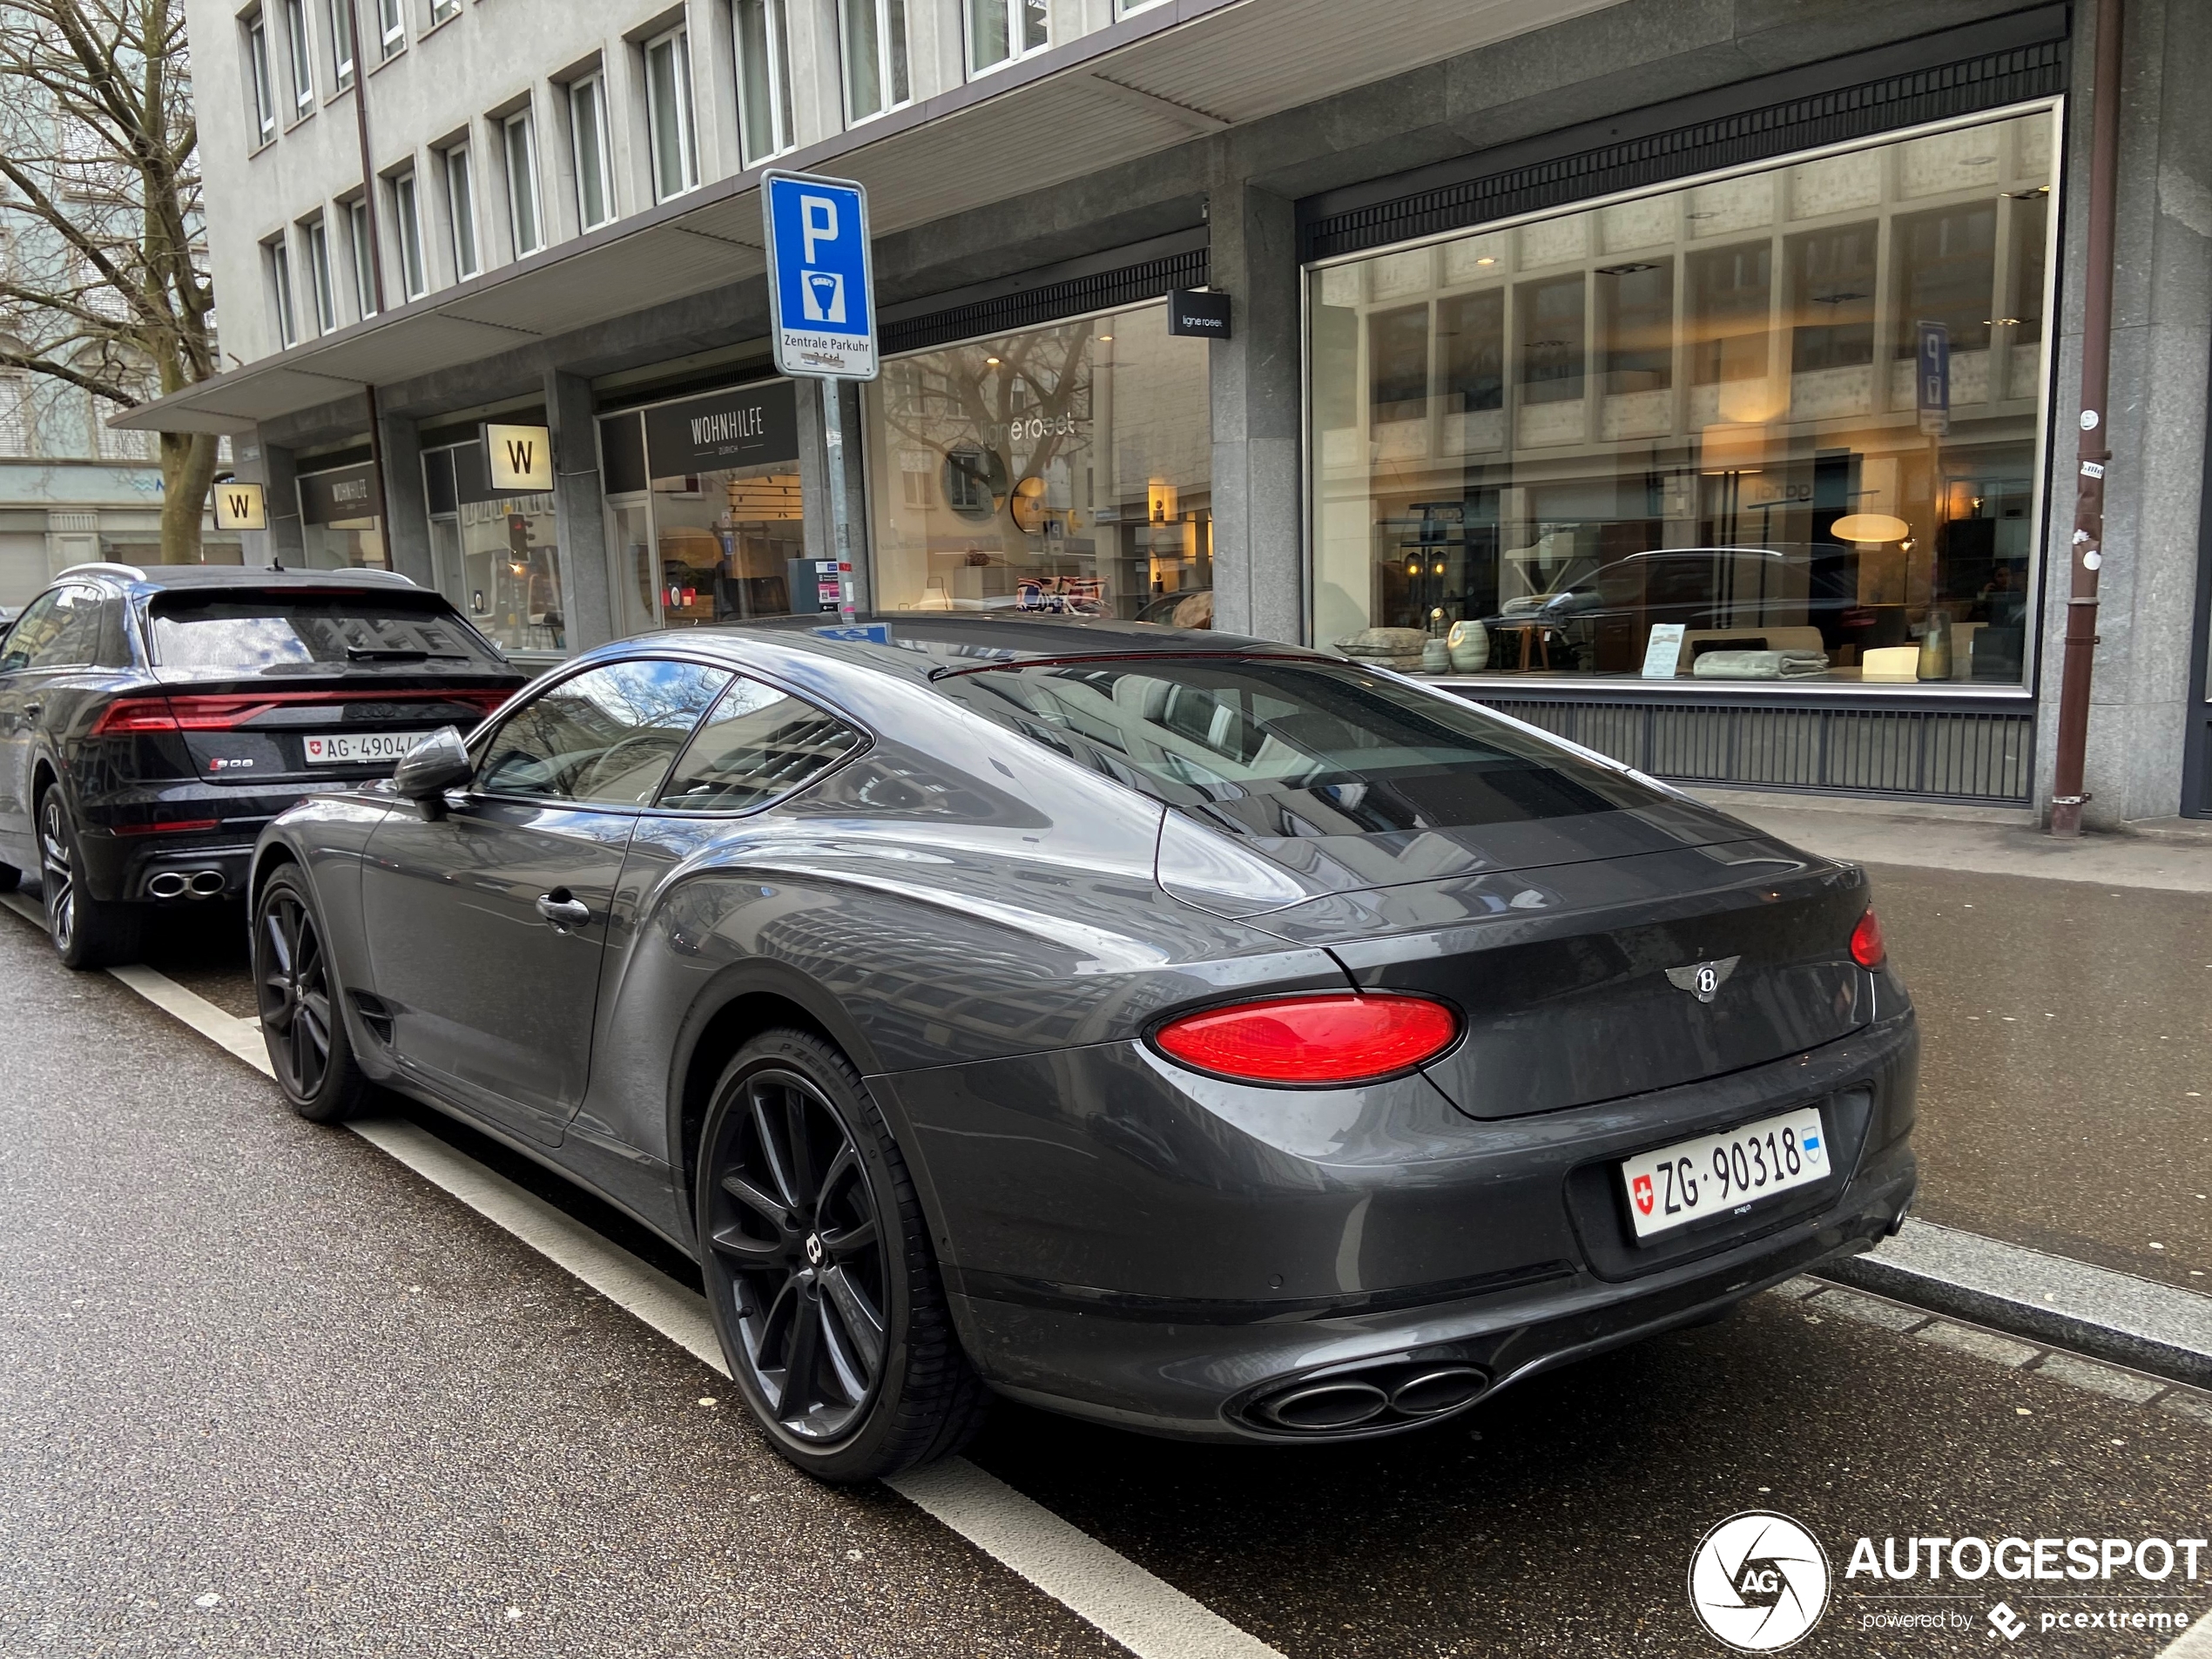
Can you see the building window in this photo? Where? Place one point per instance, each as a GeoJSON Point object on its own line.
{"type": "Point", "coordinates": [461, 211]}
{"type": "Point", "coordinates": [876, 74]}
{"type": "Point", "coordinates": [1064, 470]}
{"type": "Point", "coordinates": [359, 235]}
{"type": "Point", "coordinates": [1684, 435]}
{"type": "Point", "coordinates": [1125, 8]}
{"type": "Point", "coordinates": [287, 320]}
{"type": "Point", "coordinates": [595, 196]}
{"type": "Point", "coordinates": [391, 25]}
{"type": "Point", "coordinates": [303, 66]}
{"type": "Point", "coordinates": [257, 68]}
{"type": "Point", "coordinates": [1001, 30]}
{"type": "Point", "coordinates": [341, 20]}
{"type": "Point", "coordinates": [15, 413]}
{"type": "Point", "coordinates": [442, 9]}
{"type": "Point", "coordinates": [407, 214]}
{"type": "Point", "coordinates": [668, 109]}
{"type": "Point", "coordinates": [524, 222]}
{"type": "Point", "coordinates": [763, 79]}
{"type": "Point", "coordinates": [321, 284]}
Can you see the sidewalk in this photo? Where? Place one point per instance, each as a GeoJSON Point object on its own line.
{"type": "Point", "coordinates": [2065, 993]}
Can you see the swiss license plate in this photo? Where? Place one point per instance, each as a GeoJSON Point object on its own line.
{"type": "Point", "coordinates": [354, 748]}
{"type": "Point", "coordinates": [1716, 1173]}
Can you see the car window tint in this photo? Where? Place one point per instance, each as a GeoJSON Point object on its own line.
{"type": "Point", "coordinates": [284, 631]}
{"type": "Point", "coordinates": [37, 624]}
{"type": "Point", "coordinates": [1294, 747]}
{"type": "Point", "coordinates": [605, 735]}
{"type": "Point", "coordinates": [758, 745]}
{"type": "Point", "coordinates": [75, 640]}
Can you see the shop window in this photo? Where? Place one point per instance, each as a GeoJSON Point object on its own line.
{"type": "Point", "coordinates": [668, 112]}
{"type": "Point", "coordinates": [1684, 436]}
{"type": "Point", "coordinates": [525, 225]}
{"type": "Point", "coordinates": [461, 211]}
{"type": "Point", "coordinates": [1001, 30]}
{"type": "Point", "coordinates": [497, 558]}
{"type": "Point", "coordinates": [301, 56]}
{"type": "Point", "coordinates": [877, 74]}
{"type": "Point", "coordinates": [763, 79]}
{"type": "Point", "coordinates": [407, 217]}
{"type": "Point", "coordinates": [260, 85]}
{"type": "Point", "coordinates": [341, 523]}
{"type": "Point", "coordinates": [321, 282]}
{"type": "Point", "coordinates": [595, 196]}
{"type": "Point", "coordinates": [1064, 469]}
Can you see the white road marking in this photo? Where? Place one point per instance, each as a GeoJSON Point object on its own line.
{"type": "Point", "coordinates": [1142, 1612]}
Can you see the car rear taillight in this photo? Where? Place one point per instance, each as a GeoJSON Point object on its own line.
{"type": "Point", "coordinates": [1348, 1038]}
{"type": "Point", "coordinates": [210, 712]}
{"type": "Point", "coordinates": [129, 714]}
{"type": "Point", "coordinates": [1867, 948]}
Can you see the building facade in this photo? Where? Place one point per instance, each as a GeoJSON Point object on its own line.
{"type": "Point", "coordinates": [1697, 380]}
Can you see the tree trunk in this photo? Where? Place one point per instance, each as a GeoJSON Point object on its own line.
{"type": "Point", "coordinates": [188, 469]}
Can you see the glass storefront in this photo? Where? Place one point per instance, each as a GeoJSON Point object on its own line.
{"type": "Point", "coordinates": [342, 524]}
{"type": "Point", "coordinates": [1781, 425]}
{"type": "Point", "coordinates": [497, 558]}
{"type": "Point", "coordinates": [705, 515]}
{"type": "Point", "coordinates": [1064, 468]}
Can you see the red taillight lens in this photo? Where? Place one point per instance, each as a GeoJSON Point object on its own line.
{"type": "Point", "coordinates": [131, 714]}
{"type": "Point", "coordinates": [1333, 1039]}
{"type": "Point", "coordinates": [1867, 948]}
{"type": "Point", "coordinates": [213, 713]}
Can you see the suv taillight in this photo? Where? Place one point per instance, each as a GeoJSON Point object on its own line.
{"type": "Point", "coordinates": [1868, 948]}
{"type": "Point", "coordinates": [1329, 1039]}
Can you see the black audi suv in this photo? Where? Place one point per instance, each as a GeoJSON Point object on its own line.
{"type": "Point", "coordinates": [1190, 1033]}
{"type": "Point", "coordinates": [153, 722]}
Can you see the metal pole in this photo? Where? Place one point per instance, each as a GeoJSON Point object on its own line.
{"type": "Point", "coordinates": [2079, 664]}
{"type": "Point", "coordinates": [840, 518]}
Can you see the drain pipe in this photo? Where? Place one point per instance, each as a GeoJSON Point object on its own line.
{"type": "Point", "coordinates": [2079, 664]}
{"type": "Point", "coordinates": [375, 259]}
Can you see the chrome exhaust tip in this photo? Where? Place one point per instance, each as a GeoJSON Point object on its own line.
{"type": "Point", "coordinates": [170, 884]}
{"type": "Point", "coordinates": [206, 884]}
{"type": "Point", "coordinates": [1444, 1389]}
{"type": "Point", "coordinates": [1327, 1406]}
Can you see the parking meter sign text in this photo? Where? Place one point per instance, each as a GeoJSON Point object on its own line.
{"type": "Point", "coordinates": [819, 282]}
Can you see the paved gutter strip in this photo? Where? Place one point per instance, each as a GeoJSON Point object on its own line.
{"type": "Point", "coordinates": [1142, 1611]}
{"type": "Point", "coordinates": [2045, 1299]}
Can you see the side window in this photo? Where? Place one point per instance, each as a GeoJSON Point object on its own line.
{"type": "Point", "coordinates": [77, 640]}
{"type": "Point", "coordinates": [34, 627]}
{"type": "Point", "coordinates": [758, 745]}
{"type": "Point", "coordinates": [603, 738]}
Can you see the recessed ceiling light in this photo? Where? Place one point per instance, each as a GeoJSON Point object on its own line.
{"type": "Point", "coordinates": [993, 361]}
{"type": "Point", "coordinates": [1487, 258]}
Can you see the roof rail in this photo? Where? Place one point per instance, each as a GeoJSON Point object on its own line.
{"type": "Point", "coordinates": [101, 567]}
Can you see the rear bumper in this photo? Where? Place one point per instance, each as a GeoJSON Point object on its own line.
{"type": "Point", "coordinates": [126, 867]}
{"type": "Point", "coordinates": [1127, 1243]}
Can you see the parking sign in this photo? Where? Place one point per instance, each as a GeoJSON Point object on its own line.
{"type": "Point", "coordinates": [821, 293]}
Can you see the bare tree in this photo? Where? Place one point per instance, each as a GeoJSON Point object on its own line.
{"type": "Point", "coordinates": [104, 285]}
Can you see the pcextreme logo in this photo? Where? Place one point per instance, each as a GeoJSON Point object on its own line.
{"type": "Point", "coordinates": [1759, 1582]}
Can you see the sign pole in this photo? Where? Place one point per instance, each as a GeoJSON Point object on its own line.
{"type": "Point", "coordinates": [840, 515]}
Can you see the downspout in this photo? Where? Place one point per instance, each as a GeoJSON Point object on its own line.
{"type": "Point", "coordinates": [375, 263]}
{"type": "Point", "coordinates": [2079, 664]}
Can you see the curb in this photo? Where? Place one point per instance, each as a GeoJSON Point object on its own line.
{"type": "Point", "coordinates": [2047, 1300]}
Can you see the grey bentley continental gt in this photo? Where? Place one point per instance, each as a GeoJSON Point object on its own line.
{"type": "Point", "coordinates": [1190, 1033]}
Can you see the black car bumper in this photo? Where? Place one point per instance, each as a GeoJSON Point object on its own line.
{"type": "Point", "coordinates": [1130, 1243]}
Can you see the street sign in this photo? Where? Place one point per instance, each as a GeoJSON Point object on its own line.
{"type": "Point", "coordinates": [519, 458]}
{"type": "Point", "coordinates": [1933, 379]}
{"type": "Point", "coordinates": [240, 507]}
{"type": "Point", "coordinates": [821, 288]}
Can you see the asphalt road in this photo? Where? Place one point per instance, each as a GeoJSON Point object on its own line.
{"type": "Point", "coordinates": [247, 1358]}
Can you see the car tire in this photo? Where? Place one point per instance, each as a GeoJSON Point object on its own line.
{"type": "Point", "coordinates": [297, 993]}
{"type": "Point", "coordinates": [817, 1260]}
{"type": "Point", "coordinates": [86, 932]}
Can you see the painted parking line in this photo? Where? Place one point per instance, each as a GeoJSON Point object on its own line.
{"type": "Point", "coordinates": [1142, 1612]}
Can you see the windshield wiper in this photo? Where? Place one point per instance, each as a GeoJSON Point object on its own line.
{"type": "Point", "coordinates": [399, 654]}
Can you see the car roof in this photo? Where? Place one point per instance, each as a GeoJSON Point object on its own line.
{"type": "Point", "coordinates": [926, 645]}
{"type": "Point", "coordinates": [147, 577]}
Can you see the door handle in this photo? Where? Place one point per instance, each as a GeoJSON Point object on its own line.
{"type": "Point", "coordinates": [561, 910]}
{"type": "Point", "coordinates": [30, 712]}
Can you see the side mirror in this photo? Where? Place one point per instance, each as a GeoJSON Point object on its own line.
{"type": "Point", "coordinates": [439, 762]}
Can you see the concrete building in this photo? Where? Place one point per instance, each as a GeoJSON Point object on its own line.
{"type": "Point", "coordinates": [1695, 377]}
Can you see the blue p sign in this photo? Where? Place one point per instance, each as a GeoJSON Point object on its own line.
{"type": "Point", "coordinates": [821, 295]}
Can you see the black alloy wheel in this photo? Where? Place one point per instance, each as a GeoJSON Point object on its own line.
{"type": "Point", "coordinates": [86, 932]}
{"type": "Point", "coordinates": [297, 996]}
{"type": "Point", "coordinates": [818, 1269]}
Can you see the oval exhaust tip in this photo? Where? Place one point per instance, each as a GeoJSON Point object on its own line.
{"type": "Point", "coordinates": [167, 885]}
{"type": "Point", "coordinates": [1444, 1389]}
{"type": "Point", "coordinates": [1327, 1406]}
{"type": "Point", "coordinates": [206, 883]}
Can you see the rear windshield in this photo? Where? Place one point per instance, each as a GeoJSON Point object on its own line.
{"type": "Point", "coordinates": [1300, 748]}
{"type": "Point", "coordinates": [272, 632]}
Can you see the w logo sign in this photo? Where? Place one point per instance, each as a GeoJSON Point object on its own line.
{"type": "Point", "coordinates": [519, 458]}
{"type": "Point", "coordinates": [240, 507]}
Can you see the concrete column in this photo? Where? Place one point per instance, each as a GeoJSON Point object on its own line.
{"type": "Point", "coordinates": [579, 511]}
{"type": "Point", "coordinates": [1259, 572]}
{"type": "Point", "coordinates": [814, 481]}
{"type": "Point", "coordinates": [284, 544]}
{"type": "Point", "coordinates": [406, 506]}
